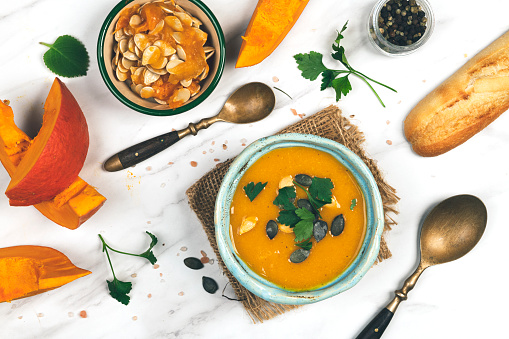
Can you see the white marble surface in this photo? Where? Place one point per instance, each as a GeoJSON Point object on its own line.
{"type": "Point", "coordinates": [463, 299]}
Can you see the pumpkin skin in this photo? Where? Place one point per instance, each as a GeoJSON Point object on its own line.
{"type": "Point", "coordinates": [269, 24]}
{"type": "Point", "coordinates": [57, 153]}
{"type": "Point", "coordinates": [71, 207]}
{"type": "Point", "coordinates": [29, 270]}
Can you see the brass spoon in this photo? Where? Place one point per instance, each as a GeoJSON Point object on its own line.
{"type": "Point", "coordinates": [251, 102]}
{"type": "Point", "coordinates": [449, 232]}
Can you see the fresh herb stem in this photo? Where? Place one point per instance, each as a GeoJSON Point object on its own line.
{"type": "Point", "coordinates": [376, 82]}
{"type": "Point", "coordinates": [105, 245]}
{"type": "Point", "coordinates": [376, 94]}
{"type": "Point", "coordinates": [283, 92]}
{"type": "Point", "coordinates": [105, 249]}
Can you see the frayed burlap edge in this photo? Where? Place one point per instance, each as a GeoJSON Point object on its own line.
{"type": "Point", "coordinates": [328, 123]}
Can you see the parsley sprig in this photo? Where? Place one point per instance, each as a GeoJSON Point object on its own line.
{"type": "Point", "coordinates": [311, 66]}
{"type": "Point", "coordinates": [119, 290]}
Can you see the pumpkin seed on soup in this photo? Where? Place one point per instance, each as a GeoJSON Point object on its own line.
{"type": "Point", "coordinates": [303, 179]}
{"type": "Point", "coordinates": [320, 228]}
{"type": "Point", "coordinates": [193, 263]}
{"type": "Point", "coordinates": [338, 225]}
{"type": "Point", "coordinates": [304, 203]}
{"type": "Point", "coordinates": [271, 229]}
{"type": "Point", "coordinates": [299, 255]}
{"type": "Point", "coordinates": [209, 285]}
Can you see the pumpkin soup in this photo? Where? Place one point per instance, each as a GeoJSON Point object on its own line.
{"type": "Point", "coordinates": [322, 206]}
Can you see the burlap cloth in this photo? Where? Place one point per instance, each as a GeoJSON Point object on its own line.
{"type": "Point", "coordinates": [328, 123]}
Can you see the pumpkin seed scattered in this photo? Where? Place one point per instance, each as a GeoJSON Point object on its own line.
{"type": "Point", "coordinates": [209, 285]}
{"type": "Point", "coordinates": [193, 263]}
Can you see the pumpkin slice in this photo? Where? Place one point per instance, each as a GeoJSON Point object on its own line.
{"type": "Point", "coordinates": [71, 207]}
{"type": "Point", "coordinates": [29, 270]}
{"type": "Point", "coordinates": [57, 153]}
{"type": "Point", "coordinates": [271, 21]}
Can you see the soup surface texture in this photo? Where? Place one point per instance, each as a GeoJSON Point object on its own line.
{"type": "Point", "coordinates": [270, 258]}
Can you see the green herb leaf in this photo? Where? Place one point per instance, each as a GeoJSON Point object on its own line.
{"type": "Point", "coordinates": [321, 189]}
{"type": "Point", "coordinates": [252, 190]}
{"type": "Point", "coordinates": [341, 86]}
{"type": "Point", "coordinates": [310, 64]}
{"type": "Point", "coordinates": [327, 77]}
{"type": "Point", "coordinates": [340, 34]}
{"type": "Point", "coordinates": [340, 56]}
{"type": "Point", "coordinates": [305, 214]}
{"type": "Point", "coordinates": [67, 57]}
{"type": "Point", "coordinates": [148, 254]}
{"type": "Point", "coordinates": [307, 244]}
{"type": "Point", "coordinates": [119, 290]}
{"type": "Point", "coordinates": [353, 204]}
{"type": "Point", "coordinates": [303, 230]}
{"type": "Point", "coordinates": [285, 198]}
{"type": "Point", "coordinates": [288, 218]}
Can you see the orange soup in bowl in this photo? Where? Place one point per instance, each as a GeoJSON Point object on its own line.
{"type": "Point", "coordinates": [298, 218]}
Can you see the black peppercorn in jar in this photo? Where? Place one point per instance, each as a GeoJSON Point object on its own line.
{"type": "Point", "coordinates": [399, 27]}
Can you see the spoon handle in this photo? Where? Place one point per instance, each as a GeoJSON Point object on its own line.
{"type": "Point", "coordinates": [377, 326]}
{"type": "Point", "coordinates": [142, 151]}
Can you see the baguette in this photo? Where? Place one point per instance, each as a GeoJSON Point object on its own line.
{"type": "Point", "coordinates": [464, 104]}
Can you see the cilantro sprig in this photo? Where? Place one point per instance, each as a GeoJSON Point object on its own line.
{"type": "Point", "coordinates": [252, 190]}
{"type": "Point", "coordinates": [119, 290]}
{"type": "Point", "coordinates": [311, 66]}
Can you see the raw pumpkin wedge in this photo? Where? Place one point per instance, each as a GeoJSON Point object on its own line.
{"type": "Point", "coordinates": [29, 270]}
{"type": "Point", "coordinates": [270, 22]}
{"type": "Point", "coordinates": [71, 207]}
{"type": "Point", "coordinates": [57, 153]}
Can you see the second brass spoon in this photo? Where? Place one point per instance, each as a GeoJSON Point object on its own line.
{"type": "Point", "coordinates": [449, 232]}
{"type": "Point", "coordinates": [251, 102]}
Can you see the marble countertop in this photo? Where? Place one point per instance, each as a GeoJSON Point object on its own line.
{"type": "Point", "coordinates": [463, 299]}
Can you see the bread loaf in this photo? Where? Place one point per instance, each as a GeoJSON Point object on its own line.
{"type": "Point", "coordinates": [464, 104]}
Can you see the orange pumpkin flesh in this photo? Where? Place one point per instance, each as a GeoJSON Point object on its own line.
{"type": "Point", "coordinates": [271, 21]}
{"type": "Point", "coordinates": [57, 153]}
{"type": "Point", "coordinates": [71, 207]}
{"type": "Point", "coordinates": [30, 270]}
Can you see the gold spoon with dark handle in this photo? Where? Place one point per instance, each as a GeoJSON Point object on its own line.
{"type": "Point", "coordinates": [251, 102]}
{"type": "Point", "coordinates": [449, 232]}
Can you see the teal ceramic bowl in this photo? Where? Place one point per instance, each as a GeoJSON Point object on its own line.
{"type": "Point", "coordinates": [123, 92]}
{"type": "Point", "coordinates": [374, 212]}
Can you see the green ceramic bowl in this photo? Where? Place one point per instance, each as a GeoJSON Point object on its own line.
{"type": "Point", "coordinates": [123, 92]}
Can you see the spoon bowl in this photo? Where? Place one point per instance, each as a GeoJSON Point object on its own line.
{"type": "Point", "coordinates": [450, 231]}
{"type": "Point", "coordinates": [250, 103]}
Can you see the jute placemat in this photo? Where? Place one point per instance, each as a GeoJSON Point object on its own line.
{"type": "Point", "coordinates": [328, 123]}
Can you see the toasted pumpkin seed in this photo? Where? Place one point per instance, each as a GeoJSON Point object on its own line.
{"type": "Point", "coordinates": [174, 23]}
{"type": "Point", "coordinates": [299, 256]}
{"type": "Point", "coordinates": [193, 263]}
{"type": "Point", "coordinates": [135, 20]}
{"type": "Point", "coordinates": [247, 223]}
{"type": "Point", "coordinates": [320, 228]}
{"type": "Point", "coordinates": [181, 53]}
{"type": "Point", "coordinates": [209, 285]}
{"type": "Point", "coordinates": [271, 229]}
{"type": "Point", "coordinates": [338, 225]}
{"type": "Point", "coordinates": [303, 179]}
